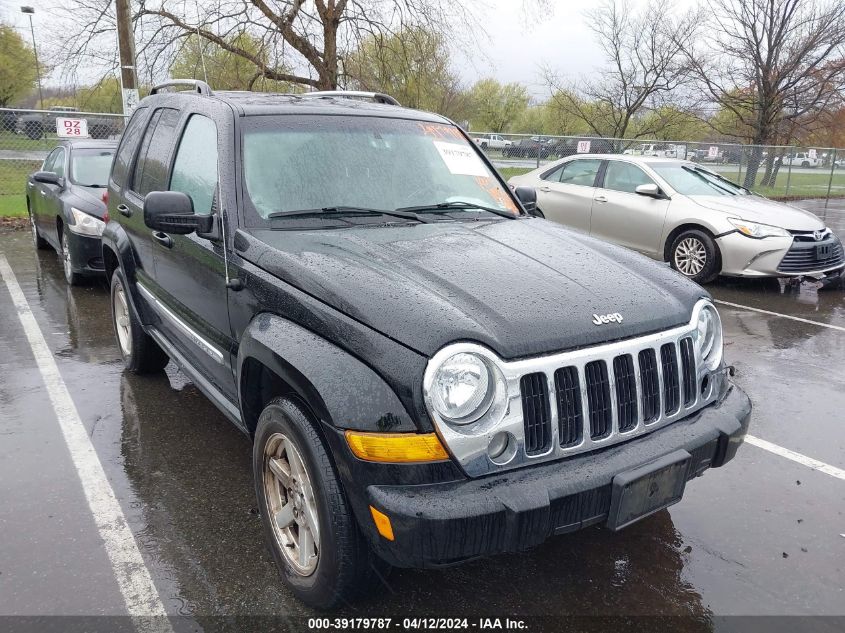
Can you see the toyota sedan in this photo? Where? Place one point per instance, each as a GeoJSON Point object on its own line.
{"type": "Point", "coordinates": [677, 211]}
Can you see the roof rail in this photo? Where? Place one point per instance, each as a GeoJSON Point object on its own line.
{"type": "Point", "coordinates": [378, 97]}
{"type": "Point", "coordinates": [199, 86]}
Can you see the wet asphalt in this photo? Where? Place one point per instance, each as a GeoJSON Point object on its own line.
{"type": "Point", "coordinates": [762, 536]}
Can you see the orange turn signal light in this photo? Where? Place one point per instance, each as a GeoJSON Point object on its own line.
{"type": "Point", "coordinates": [400, 448]}
{"type": "Point", "coordinates": [382, 522]}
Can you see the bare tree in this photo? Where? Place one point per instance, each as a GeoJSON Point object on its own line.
{"type": "Point", "coordinates": [299, 41]}
{"type": "Point", "coordinates": [645, 70]}
{"type": "Point", "coordinates": [772, 64]}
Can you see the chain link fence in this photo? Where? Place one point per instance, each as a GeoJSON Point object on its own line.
{"type": "Point", "coordinates": [27, 136]}
{"type": "Point", "coordinates": [775, 171]}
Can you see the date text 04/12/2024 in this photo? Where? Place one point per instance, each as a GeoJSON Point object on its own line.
{"type": "Point", "coordinates": [440, 624]}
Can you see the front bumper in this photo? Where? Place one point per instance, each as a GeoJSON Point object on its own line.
{"type": "Point", "coordinates": [87, 254]}
{"type": "Point", "coordinates": [446, 523]}
{"type": "Point", "coordinates": [746, 257]}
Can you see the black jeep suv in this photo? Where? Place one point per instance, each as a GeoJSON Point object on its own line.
{"type": "Point", "coordinates": [429, 372]}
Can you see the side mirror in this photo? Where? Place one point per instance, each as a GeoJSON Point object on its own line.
{"type": "Point", "coordinates": [651, 190]}
{"type": "Point", "coordinates": [528, 197]}
{"type": "Point", "coordinates": [47, 177]}
{"type": "Point", "coordinates": [173, 212]}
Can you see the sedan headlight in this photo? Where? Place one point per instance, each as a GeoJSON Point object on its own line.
{"type": "Point", "coordinates": [84, 224]}
{"type": "Point", "coordinates": [757, 230]}
{"type": "Point", "coordinates": [708, 336]}
{"type": "Point", "coordinates": [463, 388]}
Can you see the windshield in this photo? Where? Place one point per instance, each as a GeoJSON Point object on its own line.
{"type": "Point", "coordinates": [296, 163]}
{"type": "Point", "coordinates": [694, 181]}
{"type": "Point", "coordinates": [90, 166]}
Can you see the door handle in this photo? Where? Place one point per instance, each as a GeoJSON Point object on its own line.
{"type": "Point", "coordinates": [545, 189]}
{"type": "Point", "coordinates": [42, 192]}
{"type": "Point", "coordinates": [163, 239]}
{"type": "Point", "coordinates": [124, 210]}
{"type": "Point", "coordinates": [600, 199]}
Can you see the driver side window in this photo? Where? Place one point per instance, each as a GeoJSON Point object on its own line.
{"type": "Point", "coordinates": [195, 167]}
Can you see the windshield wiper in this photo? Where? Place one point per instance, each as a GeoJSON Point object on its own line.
{"type": "Point", "coordinates": [701, 174]}
{"type": "Point", "coordinates": [345, 210]}
{"type": "Point", "coordinates": [451, 206]}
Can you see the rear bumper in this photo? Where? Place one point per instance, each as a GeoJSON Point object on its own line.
{"type": "Point", "coordinates": [446, 523]}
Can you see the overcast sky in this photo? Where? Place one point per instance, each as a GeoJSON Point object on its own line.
{"type": "Point", "coordinates": [517, 44]}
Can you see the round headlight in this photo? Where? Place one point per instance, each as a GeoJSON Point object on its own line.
{"type": "Point", "coordinates": [463, 388]}
{"type": "Point", "coordinates": [708, 336]}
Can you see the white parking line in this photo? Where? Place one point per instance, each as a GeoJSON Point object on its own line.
{"type": "Point", "coordinates": [778, 314]}
{"type": "Point", "coordinates": [809, 462]}
{"type": "Point", "coordinates": [133, 578]}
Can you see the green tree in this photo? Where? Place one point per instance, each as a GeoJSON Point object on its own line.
{"type": "Point", "coordinates": [414, 66]}
{"type": "Point", "coordinates": [495, 107]}
{"type": "Point", "coordinates": [199, 58]}
{"type": "Point", "coordinates": [17, 66]}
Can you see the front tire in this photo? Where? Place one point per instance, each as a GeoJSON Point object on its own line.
{"type": "Point", "coordinates": [695, 255]}
{"type": "Point", "coordinates": [140, 353]}
{"type": "Point", "coordinates": [308, 525]}
{"type": "Point", "coordinates": [71, 277]}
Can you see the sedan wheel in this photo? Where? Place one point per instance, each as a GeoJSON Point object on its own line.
{"type": "Point", "coordinates": [695, 255]}
{"type": "Point", "coordinates": [291, 504]}
{"type": "Point", "coordinates": [690, 257]}
{"type": "Point", "coordinates": [73, 279]}
{"type": "Point", "coordinates": [40, 242]}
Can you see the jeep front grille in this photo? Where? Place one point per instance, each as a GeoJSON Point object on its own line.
{"type": "Point", "coordinates": [582, 400]}
{"type": "Point", "coordinates": [637, 396]}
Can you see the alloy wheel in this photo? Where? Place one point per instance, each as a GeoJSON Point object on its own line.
{"type": "Point", "coordinates": [66, 261]}
{"type": "Point", "coordinates": [34, 230]}
{"type": "Point", "coordinates": [690, 256]}
{"type": "Point", "coordinates": [291, 504]}
{"type": "Point", "coordinates": [122, 325]}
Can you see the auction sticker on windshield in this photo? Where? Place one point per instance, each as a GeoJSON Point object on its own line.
{"type": "Point", "coordinates": [461, 159]}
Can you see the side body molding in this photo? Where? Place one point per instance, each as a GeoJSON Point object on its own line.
{"type": "Point", "coordinates": [341, 390]}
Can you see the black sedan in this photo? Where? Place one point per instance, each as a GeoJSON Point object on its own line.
{"type": "Point", "coordinates": [65, 205]}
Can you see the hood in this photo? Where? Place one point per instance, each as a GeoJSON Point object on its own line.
{"type": "Point", "coordinates": [520, 287]}
{"type": "Point", "coordinates": [88, 199]}
{"type": "Point", "coordinates": [757, 209]}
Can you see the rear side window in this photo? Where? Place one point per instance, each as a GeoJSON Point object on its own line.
{"type": "Point", "coordinates": [151, 168]}
{"type": "Point", "coordinates": [580, 172]}
{"type": "Point", "coordinates": [624, 177]}
{"type": "Point", "coordinates": [195, 166]}
{"type": "Point", "coordinates": [127, 146]}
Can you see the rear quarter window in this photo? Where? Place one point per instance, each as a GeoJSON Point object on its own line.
{"type": "Point", "coordinates": [126, 149]}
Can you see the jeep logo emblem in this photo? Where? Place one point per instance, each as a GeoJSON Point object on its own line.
{"type": "Point", "coordinates": [601, 319]}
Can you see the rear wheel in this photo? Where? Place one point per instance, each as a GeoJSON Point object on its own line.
{"type": "Point", "coordinates": [308, 524]}
{"type": "Point", "coordinates": [40, 243]}
{"type": "Point", "coordinates": [695, 255]}
{"type": "Point", "coordinates": [140, 353]}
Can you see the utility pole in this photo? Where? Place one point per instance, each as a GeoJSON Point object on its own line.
{"type": "Point", "coordinates": [30, 11]}
{"type": "Point", "coordinates": [126, 46]}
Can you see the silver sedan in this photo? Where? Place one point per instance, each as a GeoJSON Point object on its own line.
{"type": "Point", "coordinates": [682, 213]}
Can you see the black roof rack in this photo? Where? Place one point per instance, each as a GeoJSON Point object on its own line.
{"type": "Point", "coordinates": [195, 84]}
{"type": "Point", "coordinates": [378, 97]}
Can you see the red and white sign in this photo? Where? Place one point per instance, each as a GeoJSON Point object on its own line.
{"type": "Point", "coordinates": [713, 151]}
{"type": "Point", "coordinates": [583, 147]}
{"type": "Point", "coordinates": [71, 128]}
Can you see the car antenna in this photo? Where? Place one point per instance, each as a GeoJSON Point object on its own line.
{"type": "Point", "coordinates": [232, 284]}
